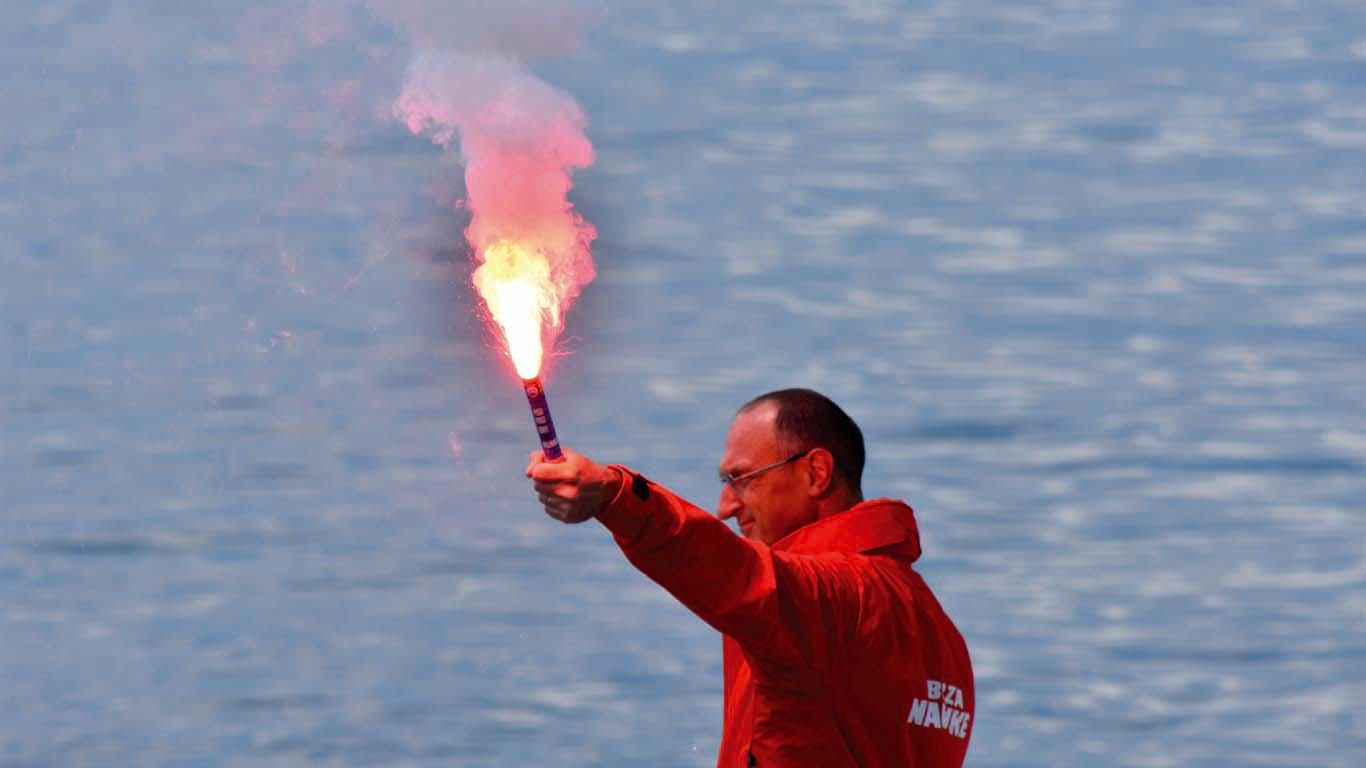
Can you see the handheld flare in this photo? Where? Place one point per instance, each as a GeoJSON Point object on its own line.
{"type": "Point", "coordinates": [540, 412]}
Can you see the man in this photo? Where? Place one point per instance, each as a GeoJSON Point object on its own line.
{"type": "Point", "coordinates": [836, 652]}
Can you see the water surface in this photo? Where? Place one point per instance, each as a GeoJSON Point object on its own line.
{"type": "Point", "coordinates": [1091, 276]}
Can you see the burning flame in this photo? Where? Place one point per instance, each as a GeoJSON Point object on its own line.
{"type": "Point", "coordinates": [513, 282]}
{"type": "Point", "coordinates": [520, 140]}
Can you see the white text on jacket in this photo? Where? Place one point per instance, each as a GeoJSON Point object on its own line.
{"type": "Point", "coordinates": [941, 708]}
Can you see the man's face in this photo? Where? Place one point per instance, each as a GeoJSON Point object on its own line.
{"type": "Point", "coordinates": [772, 504]}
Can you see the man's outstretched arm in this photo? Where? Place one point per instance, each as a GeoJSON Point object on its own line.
{"type": "Point", "coordinates": [791, 608]}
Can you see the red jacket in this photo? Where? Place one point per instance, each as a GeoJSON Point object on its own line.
{"type": "Point", "coordinates": [836, 652]}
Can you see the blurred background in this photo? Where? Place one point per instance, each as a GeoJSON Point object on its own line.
{"type": "Point", "coordinates": [1092, 277]}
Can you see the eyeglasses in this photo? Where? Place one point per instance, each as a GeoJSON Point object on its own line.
{"type": "Point", "coordinates": [737, 483]}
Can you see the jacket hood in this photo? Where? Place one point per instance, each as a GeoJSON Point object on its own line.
{"type": "Point", "coordinates": [878, 526]}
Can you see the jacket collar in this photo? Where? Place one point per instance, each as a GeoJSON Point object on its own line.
{"type": "Point", "coordinates": [879, 526]}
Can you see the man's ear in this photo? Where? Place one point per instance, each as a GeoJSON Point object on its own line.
{"type": "Point", "coordinates": [820, 472]}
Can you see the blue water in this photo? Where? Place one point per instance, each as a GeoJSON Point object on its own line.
{"type": "Point", "coordinates": [1091, 275]}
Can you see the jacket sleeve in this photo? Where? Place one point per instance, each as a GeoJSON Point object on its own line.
{"type": "Point", "coordinates": [789, 608]}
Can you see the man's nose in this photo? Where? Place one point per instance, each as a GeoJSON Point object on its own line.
{"type": "Point", "coordinates": [728, 505]}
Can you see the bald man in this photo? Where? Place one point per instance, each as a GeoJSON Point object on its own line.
{"type": "Point", "coordinates": [836, 652]}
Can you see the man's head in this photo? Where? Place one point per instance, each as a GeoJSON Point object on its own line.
{"type": "Point", "coordinates": [792, 457]}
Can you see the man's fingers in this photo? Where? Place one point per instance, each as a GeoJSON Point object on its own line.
{"type": "Point", "coordinates": [558, 493]}
{"type": "Point", "coordinates": [561, 490]}
{"type": "Point", "coordinates": [560, 509]}
{"type": "Point", "coordinates": [554, 470]}
{"type": "Point", "coordinates": [568, 489]}
{"type": "Point", "coordinates": [537, 458]}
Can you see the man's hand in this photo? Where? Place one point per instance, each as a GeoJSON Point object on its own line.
{"type": "Point", "coordinates": [574, 489]}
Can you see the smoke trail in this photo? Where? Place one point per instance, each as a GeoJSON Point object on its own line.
{"type": "Point", "coordinates": [468, 87]}
{"type": "Point", "coordinates": [520, 140]}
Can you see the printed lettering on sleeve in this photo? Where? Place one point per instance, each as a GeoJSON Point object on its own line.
{"type": "Point", "coordinates": [941, 708]}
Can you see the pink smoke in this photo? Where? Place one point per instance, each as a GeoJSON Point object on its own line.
{"type": "Point", "coordinates": [520, 140]}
